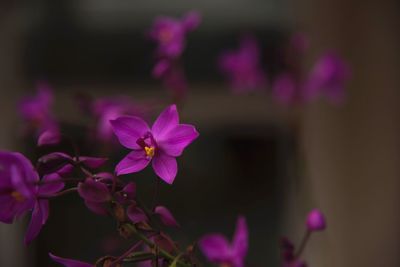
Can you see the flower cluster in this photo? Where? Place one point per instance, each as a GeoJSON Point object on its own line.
{"type": "Point", "coordinates": [242, 68]}
{"type": "Point", "coordinates": [36, 112]}
{"type": "Point", "coordinates": [25, 189]}
{"type": "Point", "coordinates": [170, 37]}
{"type": "Point", "coordinates": [327, 77]}
{"type": "Point", "coordinates": [29, 187]}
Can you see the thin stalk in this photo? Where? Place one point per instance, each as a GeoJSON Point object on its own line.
{"type": "Point", "coordinates": [151, 244]}
{"type": "Point", "coordinates": [126, 254]}
{"type": "Point", "coordinates": [65, 192]}
{"type": "Point", "coordinates": [303, 244]}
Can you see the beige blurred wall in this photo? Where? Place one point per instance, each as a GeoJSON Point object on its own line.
{"type": "Point", "coordinates": [12, 251]}
{"type": "Point", "coordinates": [353, 152]}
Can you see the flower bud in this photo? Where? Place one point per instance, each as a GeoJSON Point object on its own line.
{"type": "Point", "coordinates": [316, 221]}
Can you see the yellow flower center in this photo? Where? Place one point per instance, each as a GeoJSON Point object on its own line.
{"type": "Point", "coordinates": [149, 151]}
{"type": "Point", "coordinates": [17, 196]}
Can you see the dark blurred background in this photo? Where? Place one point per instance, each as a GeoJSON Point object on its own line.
{"type": "Point", "coordinates": [243, 162]}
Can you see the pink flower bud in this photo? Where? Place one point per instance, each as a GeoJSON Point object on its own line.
{"type": "Point", "coordinates": [316, 221]}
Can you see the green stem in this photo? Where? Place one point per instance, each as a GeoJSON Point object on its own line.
{"type": "Point", "coordinates": [139, 256]}
{"type": "Point", "coordinates": [151, 244]}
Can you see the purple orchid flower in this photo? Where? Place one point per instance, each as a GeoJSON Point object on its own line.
{"type": "Point", "coordinates": [69, 262]}
{"type": "Point", "coordinates": [17, 186]}
{"type": "Point", "coordinates": [19, 192]}
{"type": "Point", "coordinates": [219, 251]}
{"type": "Point", "coordinates": [107, 109]}
{"type": "Point", "coordinates": [328, 77]}
{"type": "Point", "coordinates": [242, 67]}
{"type": "Point", "coordinates": [52, 184]}
{"type": "Point", "coordinates": [170, 33]}
{"type": "Point", "coordinates": [36, 111]}
{"type": "Point", "coordinates": [161, 143]}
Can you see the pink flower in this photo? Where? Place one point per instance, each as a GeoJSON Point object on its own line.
{"type": "Point", "coordinates": [36, 111]}
{"type": "Point", "coordinates": [219, 251]}
{"type": "Point", "coordinates": [170, 33]}
{"type": "Point", "coordinates": [106, 109]}
{"type": "Point", "coordinates": [243, 67]}
{"type": "Point", "coordinates": [20, 193]}
{"type": "Point", "coordinates": [328, 77]}
{"type": "Point", "coordinates": [160, 144]}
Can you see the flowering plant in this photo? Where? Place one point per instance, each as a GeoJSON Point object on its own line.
{"type": "Point", "coordinates": [29, 187]}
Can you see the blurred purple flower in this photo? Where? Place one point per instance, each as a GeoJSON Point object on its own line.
{"type": "Point", "coordinates": [36, 110]}
{"type": "Point", "coordinates": [19, 192]}
{"type": "Point", "coordinates": [243, 67]}
{"type": "Point", "coordinates": [218, 250]}
{"type": "Point", "coordinates": [170, 34]}
{"type": "Point", "coordinates": [161, 144]}
{"type": "Point", "coordinates": [328, 77]}
{"type": "Point", "coordinates": [107, 109]}
{"type": "Point", "coordinates": [316, 221]}
{"type": "Point", "coordinates": [17, 186]}
{"type": "Point", "coordinates": [69, 262]}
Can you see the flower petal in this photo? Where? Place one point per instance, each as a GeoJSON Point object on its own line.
{"type": "Point", "coordinates": [166, 121]}
{"type": "Point", "coordinates": [69, 262]}
{"type": "Point", "coordinates": [93, 191]}
{"type": "Point", "coordinates": [39, 217]}
{"type": "Point", "coordinates": [129, 129]}
{"type": "Point", "coordinates": [240, 240]}
{"type": "Point", "coordinates": [177, 139]}
{"type": "Point", "coordinates": [97, 207]}
{"type": "Point", "coordinates": [191, 21]}
{"type": "Point", "coordinates": [53, 162]}
{"type": "Point", "coordinates": [165, 167]}
{"type": "Point", "coordinates": [130, 190]}
{"type": "Point", "coordinates": [215, 247]}
{"type": "Point", "coordinates": [166, 216]}
{"type": "Point", "coordinates": [92, 162]}
{"type": "Point", "coordinates": [52, 183]}
{"type": "Point", "coordinates": [49, 137]}
{"type": "Point", "coordinates": [135, 214]}
{"type": "Point", "coordinates": [135, 161]}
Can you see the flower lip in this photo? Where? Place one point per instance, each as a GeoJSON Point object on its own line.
{"type": "Point", "coordinates": [148, 144]}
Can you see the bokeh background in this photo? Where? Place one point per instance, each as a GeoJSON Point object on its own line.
{"type": "Point", "coordinates": [243, 162]}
